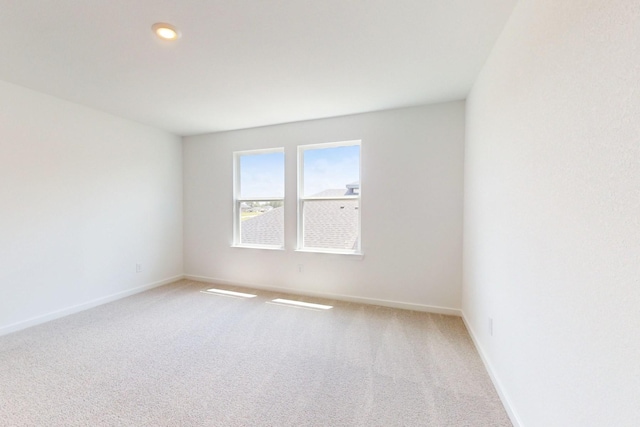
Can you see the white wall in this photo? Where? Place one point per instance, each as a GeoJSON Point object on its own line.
{"type": "Point", "coordinates": [552, 212]}
{"type": "Point", "coordinates": [84, 196]}
{"type": "Point", "coordinates": [411, 209]}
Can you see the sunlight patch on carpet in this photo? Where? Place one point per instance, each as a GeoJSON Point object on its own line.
{"type": "Point", "coordinates": [301, 304]}
{"type": "Point", "coordinates": [228, 293]}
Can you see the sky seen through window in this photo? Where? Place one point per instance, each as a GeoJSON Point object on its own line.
{"type": "Point", "coordinates": [262, 175]}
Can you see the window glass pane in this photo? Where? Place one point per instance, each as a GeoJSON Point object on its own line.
{"type": "Point", "coordinates": [262, 175]}
{"type": "Point", "coordinates": [262, 223]}
{"type": "Point", "coordinates": [328, 171]}
{"type": "Point", "coordinates": [331, 224]}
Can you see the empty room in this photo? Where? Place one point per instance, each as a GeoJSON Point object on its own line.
{"type": "Point", "coordinates": [335, 213]}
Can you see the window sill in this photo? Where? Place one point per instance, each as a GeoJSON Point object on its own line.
{"type": "Point", "coordinates": [269, 248]}
{"type": "Point", "coordinates": [330, 252]}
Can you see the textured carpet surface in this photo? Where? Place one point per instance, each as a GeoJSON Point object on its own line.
{"type": "Point", "coordinates": [175, 356]}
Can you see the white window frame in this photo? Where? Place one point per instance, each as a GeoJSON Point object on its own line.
{"type": "Point", "coordinates": [302, 199]}
{"type": "Point", "coordinates": [238, 200]}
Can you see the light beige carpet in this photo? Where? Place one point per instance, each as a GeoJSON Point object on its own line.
{"type": "Point", "coordinates": [174, 356]}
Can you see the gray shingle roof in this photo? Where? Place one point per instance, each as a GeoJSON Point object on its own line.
{"type": "Point", "coordinates": [329, 224]}
{"type": "Point", "coordinates": [332, 193]}
{"type": "Point", "coordinates": [264, 229]}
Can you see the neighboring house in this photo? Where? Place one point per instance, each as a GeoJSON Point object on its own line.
{"type": "Point", "coordinates": [353, 188]}
{"type": "Point", "coordinates": [329, 224]}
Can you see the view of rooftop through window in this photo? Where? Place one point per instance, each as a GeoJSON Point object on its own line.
{"type": "Point", "coordinates": [330, 219]}
{"type": "Point", "coordinates": [328, 214]}
{"type": "Point", "coordinates": [259, 189]}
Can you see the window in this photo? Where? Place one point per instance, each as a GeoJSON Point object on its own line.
{"type": "Point", "coordinates": [329, 197]}
{"type": "Point", "coordinates": [258, 208]}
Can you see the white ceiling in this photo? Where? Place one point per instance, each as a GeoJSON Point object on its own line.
{"type": "Point", "coordinates": [247, 63]}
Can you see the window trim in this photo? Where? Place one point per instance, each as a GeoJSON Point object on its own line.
{"type": "Point", "coordinates": [301, 199]}
{"type": "Point", "coordinates": [238, 200]}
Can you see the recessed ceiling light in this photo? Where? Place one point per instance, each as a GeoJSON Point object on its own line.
{"type": "Point", "coordinates": [165, 31]}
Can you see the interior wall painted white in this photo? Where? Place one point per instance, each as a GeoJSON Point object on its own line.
{"type": "Point", "coordinates": [552, 213]}
{"type": "Point", "coordinates": [412, 183]}
{"type": "Point", "coordinates": [84, 197]}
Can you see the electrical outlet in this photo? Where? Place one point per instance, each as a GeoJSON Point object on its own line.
{"type": "Point", "coordinates": [491, 326]}
{"type": "Point", "coordinates": [138, 268]}
{"type": "Point", "coordinates": [300, 268]}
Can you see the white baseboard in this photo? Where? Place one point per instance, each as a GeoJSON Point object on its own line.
{"type": "Point", "coordinates": [14, 327]}
{"type": "Point", "coordinates": [506, 402]}
{"type": "Point", "coordinates": [349, 298]}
